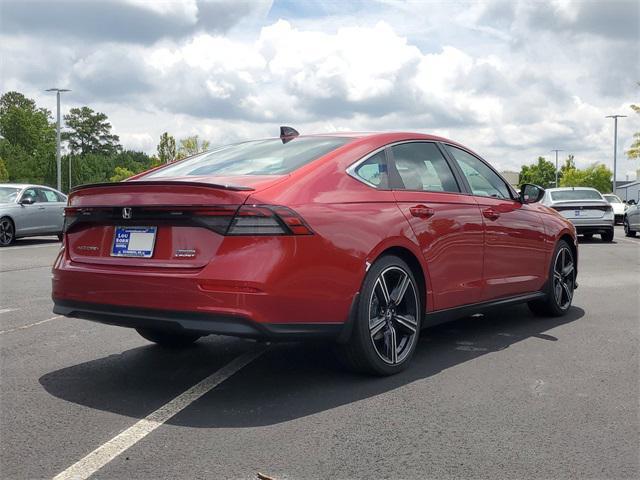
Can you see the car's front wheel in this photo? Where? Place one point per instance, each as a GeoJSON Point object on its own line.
{"type": "Point", "coordinates": [167, 339]}
{"type": "Point", "coordinates": [387, 325]}
{"type": "Point", "coordinates": [7, 232]}
{"type": "Point", "coordinates": [627, 228]}
{"type": "Point", "coordinates": [560, 284]}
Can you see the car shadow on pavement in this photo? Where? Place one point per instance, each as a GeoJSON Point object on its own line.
{"type": "Point", "coordinates": [289, 381]}
{"type": "Point", "coordinates": [24, 242]}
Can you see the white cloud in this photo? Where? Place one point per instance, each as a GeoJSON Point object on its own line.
{"type": "Point", "coordinates": [490, 74]}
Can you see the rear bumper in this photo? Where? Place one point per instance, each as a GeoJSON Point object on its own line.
{"type": "Point", "coordinates": [195, 322]}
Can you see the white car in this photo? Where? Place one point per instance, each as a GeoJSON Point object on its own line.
{"type": "Point", "coordinates": [585, 207]}
{"type": "Point", "coordinates": [617, 204]}
{"type": "Point", "coordinates": [30, 210]}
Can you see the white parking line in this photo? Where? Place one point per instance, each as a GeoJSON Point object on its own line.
{"type": "Point", "coordinates": [2, 332]}
{"type": "Point", "coordinates": [102, 455]}
{"type": "Point", "coordinates": [7, 310]}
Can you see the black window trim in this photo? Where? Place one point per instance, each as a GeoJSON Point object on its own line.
{"type": "Point", "coordinates": [467, 187]}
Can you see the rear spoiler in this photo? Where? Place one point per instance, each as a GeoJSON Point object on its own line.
{"type": "Point", "coordinates": [168, 183]}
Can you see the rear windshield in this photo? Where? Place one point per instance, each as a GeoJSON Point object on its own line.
{"type": "Point", "coordinates": [260, 157]}
{"type": "Point", "coordinates": [8, 194]}
{"type": "Point", "coordinates": [576, 195]}
{"type": "Point", "coordinates": [612, 199]}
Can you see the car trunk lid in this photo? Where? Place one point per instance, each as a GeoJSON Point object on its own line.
{"type": "Point", "coordinates": [176, 223]}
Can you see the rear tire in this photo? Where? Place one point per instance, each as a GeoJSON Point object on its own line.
{"type": "Point", "coordinates": [608, 236]}
{"type": "Point", "coordinates": [627, 229]}
{"type": "Point", "coordinates": [560, 284]}
{"type": "Point", "coordinates": [168, 339]}
{"type": "Point", "coordinates": [7, 232]}
{"type": "Point", "coordinates": [387, 323]}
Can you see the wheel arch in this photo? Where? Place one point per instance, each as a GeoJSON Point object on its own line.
{"type": "Point", "coordinates": [572, 245]}
{"type": "Point", "coordinates": [416, 268]}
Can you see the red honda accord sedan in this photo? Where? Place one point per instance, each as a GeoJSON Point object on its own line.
{"type": "Point", "coordinates": [363, 238]}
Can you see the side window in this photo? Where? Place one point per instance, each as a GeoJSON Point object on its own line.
{"type": "Point", "coordinates": [30, 192]}
{"type": "Point", "coordinates": [374, 170]}
{"type": "Point", "coordinates": [50, 196]}
{"type": "Point", "coordinates": [61, 197]}
{"type": "Point", "coordinates": [483, 181]}
{"type": "Point", "coordinates": [421, 166]}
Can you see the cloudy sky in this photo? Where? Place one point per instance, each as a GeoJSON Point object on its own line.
{"type": "Point", "coordinates": [510, 79]}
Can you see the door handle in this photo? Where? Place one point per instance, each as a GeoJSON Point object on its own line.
{"type": "Point", "coordinates": [40, 208]}
{"type": "Point", "coordinates": [422, 211]}
{"type": "Point", "coordinates": [490, 213]}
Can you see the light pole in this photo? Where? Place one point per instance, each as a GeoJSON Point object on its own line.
{"type": "Point", "coordinates": [556, 150]}
{"type": "Point", "coordinates": [615, 146]}
{"type": "Point", "coordinates": [58, 164]}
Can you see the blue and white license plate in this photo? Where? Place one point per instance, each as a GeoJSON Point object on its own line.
{"type": "Point", "coordinates": [134, 242]}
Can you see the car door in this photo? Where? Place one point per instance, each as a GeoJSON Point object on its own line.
{"type": "Point", "coordinates": [54, 210]}
{"type": "Point", "coordinates": [30, 216]}
{"type": "Point", "coordinates": [446, 222]}
{"type": "Point", "coordinates": [516, 249]}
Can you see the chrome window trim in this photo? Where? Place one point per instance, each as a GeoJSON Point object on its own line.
{"type": "Point", "coordinates": [351, 170]}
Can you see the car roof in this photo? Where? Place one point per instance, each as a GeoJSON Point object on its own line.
{"type": "Point", "coordinates": [564, 189]}
{"type": "Point", "coordinates": [25, 185]}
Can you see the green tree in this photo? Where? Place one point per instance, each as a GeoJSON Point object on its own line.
{"type": "Point", "coordinates": [542, 173]}
{"type": "Point", "coordinates": [597, 176]}
{"type": "Point", "coordinates": [167, 148]}
{"type": "Point", "coordinates": [191, 146]}
{"type": "Point", "coordinates": [27, 142]}
{"type": "Point", "coordinates": [569, 164]}
{"type": "Point", "coordinates": [4, 173]}
{"type": "Point", "coordinates": [89, 132]}
{"type": "Point", "coordinates": [121, 174]}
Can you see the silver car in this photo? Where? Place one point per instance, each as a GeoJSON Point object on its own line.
{"type": "Point", "coordinates": [585, 207]}
{"type": "Point", "coordinates": [30, 210]}
{"type": "Point", "coordinates": [631, 219]}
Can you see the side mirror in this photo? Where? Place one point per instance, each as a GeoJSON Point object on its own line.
{"type": "Point", "coordinates": [631, 202]}
{"type": "Point", "coordinates": [530, 193]}
{"type": "Point", "coordinates": [27, 200]}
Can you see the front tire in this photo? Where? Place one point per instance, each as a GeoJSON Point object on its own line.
{"type": "Point", "coordinates": [560, 284]}
{"type": "Point", "coordinates": [7, 232]}
{"type": "Point", "coordinates": [168, 339]}
{"type": "Point", "coordinates": [627, 228]}
{"type": "Point", "coordinates": [388, 319]}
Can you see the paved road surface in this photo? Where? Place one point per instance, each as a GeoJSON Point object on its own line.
{"type": "Point", "coordinates": [502, 396]}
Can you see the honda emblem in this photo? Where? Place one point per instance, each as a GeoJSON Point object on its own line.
{"type": "Point", "coordinates": [126, 213]}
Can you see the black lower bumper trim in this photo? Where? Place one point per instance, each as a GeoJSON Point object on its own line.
{"type": "Point", "coordinates": [194, 322]}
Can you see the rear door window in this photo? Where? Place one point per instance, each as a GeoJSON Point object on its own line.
{"type": "Point", "coordinates": [421, 166]}
{"type": "Point", "coordinates": [49, 195]}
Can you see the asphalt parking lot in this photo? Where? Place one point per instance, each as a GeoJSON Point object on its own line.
{"type": "Point", "coordinates": [506, 395]}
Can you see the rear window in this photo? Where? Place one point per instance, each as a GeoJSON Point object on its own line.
{"type": "Point", "coordinates": [576, 195]}
{"type": "Point", "coordinates": [260, 157]}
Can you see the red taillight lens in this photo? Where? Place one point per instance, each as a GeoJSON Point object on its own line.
{"type": "Point", "coordinates": [267, 220]}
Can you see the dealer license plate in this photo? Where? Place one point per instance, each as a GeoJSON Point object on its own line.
{"type": "Point", "coordinates": [134, 242]}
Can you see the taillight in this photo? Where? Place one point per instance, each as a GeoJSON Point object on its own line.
{"type": "Point", "coordinates": [267, 220]}
{"type": "Point", "coordinates": [222, 219]}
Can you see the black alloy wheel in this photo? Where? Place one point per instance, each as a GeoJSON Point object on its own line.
{"type": "Point", "coordinates": [387, 326]}
{"type": "Point", "coordinates": [7, 232]}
